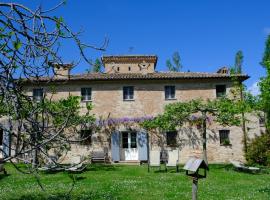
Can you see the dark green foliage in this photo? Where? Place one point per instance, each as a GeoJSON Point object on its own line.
{"type": "Point", "coordinates": [176, 66]}
{"type": "Point", "coordinates": [259, 150]}
{"type": "Point", "coordinates": [265, 84]}
{"type": "Point", "coordinates": [238, 62]}
{"type": "Point", "coordinates": [266, 55]}
{"type": "Point", "coordinates": [225, 112]}
{"type": "Point", "coordinates": [97, 66]}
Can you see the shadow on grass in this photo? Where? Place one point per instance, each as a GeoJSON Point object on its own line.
{"type": "Point", "coordinates": [102, 167]}
{"type": "Point", "coordinates": [61, 196]}
{"type": "Point", "coordinates": [265, 190]}
{"type": "Point", "coordinates": [2, 176]}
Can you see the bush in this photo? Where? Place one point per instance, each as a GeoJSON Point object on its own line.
{"type": "Point", "coordinates": [259, 150]}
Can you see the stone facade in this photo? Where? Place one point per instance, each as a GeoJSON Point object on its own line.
{"type": "Point", "coordinates": [149, 100]}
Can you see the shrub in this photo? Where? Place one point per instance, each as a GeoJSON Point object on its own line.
{"type": "Point", "coordinates": [259, 150]}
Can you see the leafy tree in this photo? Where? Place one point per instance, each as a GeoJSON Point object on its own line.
{"type": "Point", "coordinates": [97, 65]}
{"type": "Point", "coordinates": [259, 150]}
{"type": "Point", "coordinates": [197, 112]}
{"type": "Point", "coordinates": [238, 62]}
{"type": "Point", "coordinates": [175, 65]}
{"type": "Point", "coordinates": [266, 55]}
{"type": "Point", "coordinates": [30, 40]}
{"type": "Point", "coordinates": [265, 83]}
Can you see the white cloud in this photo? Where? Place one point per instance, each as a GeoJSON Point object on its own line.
{"type": "Point", "coordinates": [254, 89]}
{"type": "Point", "coordinates": [266, 30]}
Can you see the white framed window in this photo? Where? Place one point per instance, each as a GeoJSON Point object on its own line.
{"type": "Point", "coordinates": [86, 94]}
{"type": "Point", "coordinates": [129, 140]}
{"type": "Point", "coordinates": [128, 93]}
{"type": "Point", "coordinates": [169, 92]}
{"type": "Point", "coordinates": [37, 94]}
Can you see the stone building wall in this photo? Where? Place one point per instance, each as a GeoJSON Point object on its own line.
{"type": "Point", "coordinates": [149, 100]}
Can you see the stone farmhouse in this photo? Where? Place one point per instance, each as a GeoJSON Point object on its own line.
{"type": "Point", "coordinates": [129, 89]}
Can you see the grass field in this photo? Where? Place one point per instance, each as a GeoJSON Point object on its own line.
{"type": "Point", "coordinates": [134, 182]}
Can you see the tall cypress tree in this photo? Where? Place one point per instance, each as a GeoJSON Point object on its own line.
{"type": "Point", "coordinates": [265, 83]}
{"type": "Point", "coordinates": [266, 55]}
{"type": "Point", "coordinates": [238, 62]}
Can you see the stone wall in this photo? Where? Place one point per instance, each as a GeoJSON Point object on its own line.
{"type": "Point", "coordinates": [149, 100]}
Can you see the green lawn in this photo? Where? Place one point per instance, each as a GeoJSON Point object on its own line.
{"type": "Point", "coordinates": [134, 182]}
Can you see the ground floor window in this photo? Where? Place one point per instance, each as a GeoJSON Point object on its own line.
{"type": "Point", "coordinates": [224, 137]}
{"type": "Point", "coordinates": [129, 140]}
{"type": "Point", "coordinates": [171, 138]}
{"type": "Point", "coordinates": [86, 137]}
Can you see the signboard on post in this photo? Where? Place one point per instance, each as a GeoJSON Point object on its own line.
{"type": "Point", "coordinates": [192, 168]}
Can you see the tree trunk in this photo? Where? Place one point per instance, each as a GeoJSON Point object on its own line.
{"type": "Point", "coordinates": [148, 152]}
{"type": "Point", "coordinates": [204, 137]}
{"type": "Point", "coordinates": [243, 121]}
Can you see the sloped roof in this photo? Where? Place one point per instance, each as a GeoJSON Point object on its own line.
{"type": "Point", "coordinates": [148, 76]}
{"type": "Point", "coordinates": [193, 164]}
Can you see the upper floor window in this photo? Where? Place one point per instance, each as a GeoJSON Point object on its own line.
{"type": "Point", "coordinates": [86, 137]}
{"type": "Point", "coordinates": [38, 94]}
{"type": "Point", "coordinates": [224, 137]}
{"type": "Point", "coordinates": [169, 92]}
{"type": "Point", "coordinates": [128, 92]}
{"type": "Point", "coordinates": [171, 138]}
{"type": "Point", "coordinates": [1, 136]}
{"type": "Point", "coordinates": [220, 90]}
{"type": "Point", "coordinates": [86, 94]}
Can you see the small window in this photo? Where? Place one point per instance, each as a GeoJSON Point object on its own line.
{"type": "Point", "coordinates": [118, 69]}
{"type": "Point", "coordinates": [171, 138]}
{"type": "Point", "coordinates": [38, 94]}
{"type": "Point", "coordinates": [1, 136]}
{"type": "Point", "coordinates": [128, 93]}
{"type": "Point", "coordinates": [220, 90]}
{"type": "Point", "coordinates": [133, 139]}
{"type": "Point", "coordinates": [125, 140]}
{"type": "Point", "coordinates": [261, 120]}
{"type": "Point", "coordinates": [86, 94]}
{"type": "Point", "coordinates": [169, 92]}
{"type": "Point", "coordinates": [224, 137]}
{"type": "Point", "coordinates": [129, 68]}
{"type": "Point", "coordinates": [86, 137]}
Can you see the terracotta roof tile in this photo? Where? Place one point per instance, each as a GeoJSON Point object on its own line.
{"type": "Point", "coordinates": [149, 76]}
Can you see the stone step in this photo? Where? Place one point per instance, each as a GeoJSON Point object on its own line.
{"type": "Point", "coordinates": [129, 162]}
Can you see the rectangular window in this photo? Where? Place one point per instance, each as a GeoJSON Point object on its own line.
{"type": "Point", "coordinates": [261, 120]}
{"type": "Point", "coordinates": [86, 94]}
{"type": "Point", "coordinates": [171, 138]}
{"type": "Point", "coordinates": [86, 137]}
{"type": "Point", "coordinates": [38, 94]}
{"type": "Point", "coordinates": [224, 137]}
{"type": "Point", "coordinates": [133, 140]}
{"type": "Point", "coordinates": [169, 92]}
{"type": "Point", "coordinates": [1, 136]}
{"type": "Point", "coordinates": [220, 90]}
{"type": "Point", "coordinates": [128, 92]}
{"type": "Point", "coordinates": [125, 140]}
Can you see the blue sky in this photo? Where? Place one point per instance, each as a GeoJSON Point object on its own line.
{"type": "Point", "coordinates": [207, 33]}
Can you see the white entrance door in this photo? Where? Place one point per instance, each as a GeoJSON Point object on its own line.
{"type": "Point", "coordinates": [129, 144]}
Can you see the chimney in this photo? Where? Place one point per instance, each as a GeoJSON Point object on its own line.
{"type": "Point", "coordinates": [62, 70]}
